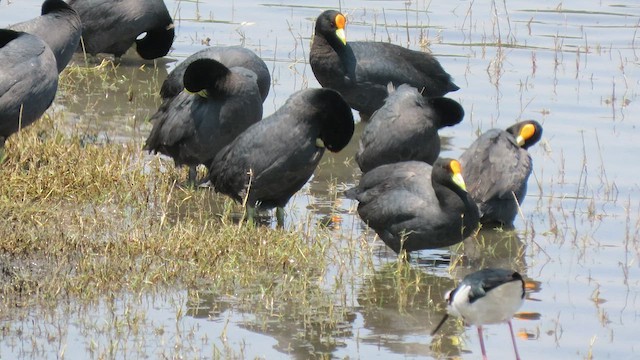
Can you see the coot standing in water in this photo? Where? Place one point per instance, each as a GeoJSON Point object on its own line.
{"type": "Point", "coordinates": [273, 159]}
{"type": "Point", "coordinates": [219, 103]}
{"type": "Point", "coordinates": [361, 70]}
{"type": "Point", "coordinates": [412, 205]}
{"type": "Point", "coordinates": [497, 167]}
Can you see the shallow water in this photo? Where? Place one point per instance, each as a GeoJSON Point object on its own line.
{"type": "Point", "coordinates": [573, 66]}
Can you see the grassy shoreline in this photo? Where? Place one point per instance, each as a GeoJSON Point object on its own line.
{"type": "Point", "coordinates": [81, 219]}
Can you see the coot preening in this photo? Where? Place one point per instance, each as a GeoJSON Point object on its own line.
{"type": "Point", "coordinates": [218, 105]}
{"type": "Point", "coordinates": [361, 70]}
{"type": "Point", "coordinates": [111, 27]}
{"type": "Point", "coordinates": [59, 26]}
{"type": "Point", "coordinates": [275, 157]}
{"type": "Point", "coordinates": [28, 80]}
{"type": "Point", "coordinates": [488, 296]}
{"type": "Point", "coordinates": [406, 128]}
{"type": "Point", "coordinates": [497, 166]}
{"type": "Point", "coordinates": [229, 56]}
{"type": "Point", "coordinates": [412, 205]}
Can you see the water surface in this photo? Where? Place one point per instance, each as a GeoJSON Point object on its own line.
{"type": "Point", "coordinates": [571, 65]}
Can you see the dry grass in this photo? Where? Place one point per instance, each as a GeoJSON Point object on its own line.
{"type": "Point", "coordinates": [82, 223]}
{"type": "Point", "coordinates": [80, 219]}
{"type": "Point", "coordinates": [84, 220]}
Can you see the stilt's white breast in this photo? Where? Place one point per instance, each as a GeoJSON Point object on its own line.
{"type": "Point", "coordinates": [498, 305]}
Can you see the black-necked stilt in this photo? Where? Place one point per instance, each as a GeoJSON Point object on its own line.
{"type": "Point", "coordinates": [488, 296]}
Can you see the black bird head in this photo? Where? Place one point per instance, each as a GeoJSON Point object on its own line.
{"type": "Point", "coordinates": [449, 173]}
{"type": "Point", "coordinates": [6, 36]}
{"type": "Point", "coordinates": [449, 111]}
{"type": "Point", "coordinates": [330, 24]}
{"type": "Point", "coordinates": [206, 77]}
{"type": "Point", "coordinates": [336, 123]}
{"type": "Point", "coordinates": [157, 42]}
{"type": "Point", "coordinates": [527, 133]}
{"type": "Point", "coordinates": [50, 6]}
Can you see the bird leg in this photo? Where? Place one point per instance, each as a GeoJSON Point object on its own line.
{"type": "Point", "coordinates": [513, 339]}
{"type": "Point", "coordinates": [280, 217]}
{"type": "Point", "coordinates": [484, 352]}
{"type": "Point", "coordinates": [193, 173]}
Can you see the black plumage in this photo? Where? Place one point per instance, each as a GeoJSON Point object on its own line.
{"type": "Point", "coordinates": [59, 26]}
{"type": "Point", "coordinates": [28, 80]}
{"type": "Point", "coordinates": [219, 104]}
{"type": "Point", "coordinates": [229, 56]}
{"type": "Point", "coordinates": [406, 128]}
{"type": "Point", "coordinates": [412, 205]}
{"type": "Point", "coordinates": [497, 167]}
{"type": "Point", "coordinates": [482, 282]}
{"type": "Point", "coordinates": [275, 157]}
{"type": "Point", "coordinates": [112, 26]}
{"type": "Point", "coordinates": [360, 71]}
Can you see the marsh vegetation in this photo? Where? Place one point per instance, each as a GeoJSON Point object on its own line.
{"type": "Point", "coordinates": [105, 255]}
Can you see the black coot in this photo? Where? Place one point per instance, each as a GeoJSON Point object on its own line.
{"type": "Point", "coordinates": [360, 71]}
{"type": "Point", "coordinates": [59, 26]}
{"type": "Point", "coordinates": [412, 205]}
{"type": "Point", "coordinates": [229, 56]}
{"type": "Point", "coordinates": [497, 166]}
{"type": "Point", "coordinates": [28, 80]}
{"type": "Point", "coordinates": [218, 105]}
{"type": "Point", "coordinates": [406, 128]}
{"type": "Point", "coordinates": [111, 27]}
{"type": "Point", "coordinates": [275, 157]}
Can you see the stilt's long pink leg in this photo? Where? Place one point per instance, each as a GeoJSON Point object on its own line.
{"type": "Point", "coordinates": [513, 339]}
{"type": "Point", "coordinates": [484, 352]}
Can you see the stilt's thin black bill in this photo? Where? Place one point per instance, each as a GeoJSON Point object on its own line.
{"type": "Point", "coordinates": [444, 318]}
